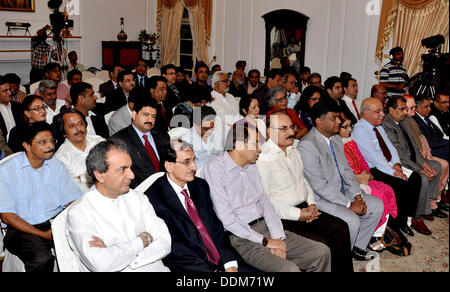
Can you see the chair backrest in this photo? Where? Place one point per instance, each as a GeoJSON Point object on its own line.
{"type": "Point", "coordinates": [148, 182]}
{"type": "Point", "coordinates": [67, 261]}
{"type": "Point", "coordinates": [88, 75]}
{"type": "Point", "coordinates": [9, 157]}
{"type": "Point", "coordinates": [102, 75]}
{"type": "Point", "coordinates": [108, 116]}
{"type": "Point", "coordinates": [95, 82]}
{"type": "Point", "coordinates": [153, 71]}
{"type": "Point", "coordinates": [34, 86]}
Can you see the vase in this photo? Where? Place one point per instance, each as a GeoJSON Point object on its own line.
{"type": "Point", "coordinates": [122, 36]}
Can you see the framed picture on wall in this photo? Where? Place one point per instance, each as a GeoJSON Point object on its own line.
{"type": "Point", "coordinates": [17, 5]}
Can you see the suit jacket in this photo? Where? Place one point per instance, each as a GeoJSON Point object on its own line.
{"type": "Point", "coordinates": [115, 100]}
{"type": "Point", "coordinates": [188, 250]}
{"type": "Point", "coordinates": [107, 88]}
{"type": "Point", "coordinates": [4, 146]}
{"type": "Point", "coordinates": [439, 146]}
{"type": "Point", "coordinates": [443, 118]}
{"type": "Point", "coordinates": [398, 139]}
{"type": "Point", "coordinates": [119, 120]}
{"type": "Point", "coordinates": [321, 172]}
{"type": "Point", "coordinates": [100, 127]}
{"type": "Point", "coordinates": [142, 165]}
{"type": "Point", "coordinates": [237, 91]}
{"type": "Point", "coordinates": [146, 86]}
{"type": "Point", "coordinates": [17, 111]}
{"type": "Point", "coordinates": [161, 125]}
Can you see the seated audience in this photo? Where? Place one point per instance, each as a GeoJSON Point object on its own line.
{"type": "Point", "coordinates": [182, 200]}
{"type": "Point", "coordinates": [113, 228]}
{"type": "Point", "coordinates": [52, 71]}
{"type": "Point", "coordinates": [435, 137]}
{"type": "Point", "coordinates": [385, 165]}
{"type": "Point", "coordinates": [273, 79]}
{"type": "Point", "coordinates": [315, 79]}
{"type": "Point", "coordinates": [246, 212]}
{"type": "Point", "coordinates": [336, 189]}
{"type": "Point", "coordinates": [333, 87]}
{"type": "Point", "coordinates": [309, 97]}
{"type": "Point", "coordinates": [74, 151]}
{"type": "Point", "coordinates": [158, 91]}
{"type": "Point", "coordinates": [146, 146]}
{"type": "Point", "coordinates": [421, 143]}
{"type": "Point", "coordinates": [205, 139]}
{"type": "Point", "coordinates": [183, 112]}
{"type": "Point", "coordinates": [411, 158]}
{"type": "Point", "coordinates": [201, 71]}
{"type": "Point", "coordinates": [236, 84]}
{"type": "Point", "coordinates": [26, 208]}
{"type": "Point", "coordinates": [73, 62]}
{"type": "Point", "coordinates": [109, 86]}
{"type": "Point", "coordinates": [74, 77]}
{"type": "Point", "coordinates": [47, 90]}
{"type": "Point", "coordinates": [119, 97]}
{"type": "Point", "coordinates": [34, 110]}
{"type": "Point", "coordinates": [366, 181]}
{"type": "Point", "coordinates": [14, 82]}
{"type": "Point", "coordinates": [293, 95]}
{"type": "Point", "coordinates": [281, 170]}
{"type": "Point", "coordinates": [174, 96]}
{"type": "Point", "coordinates": [278, 103]}
{"type": "Point", "coordinates": [253, 82]}
{"type": "Point", "coordinates": [10, 111]}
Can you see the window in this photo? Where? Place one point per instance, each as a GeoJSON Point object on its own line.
{"type": "Point", "coordinates": [186, 55]}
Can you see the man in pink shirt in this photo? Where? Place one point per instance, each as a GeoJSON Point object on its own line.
{"type": "Point", "coordinates": [52, 71]}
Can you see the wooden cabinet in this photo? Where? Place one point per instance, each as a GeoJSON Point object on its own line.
{"type": "Point", "coordinates": [124, 54]}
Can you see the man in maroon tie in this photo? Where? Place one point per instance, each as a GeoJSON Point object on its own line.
{"type": "Point", "coordinates": [146, 146]}
{"type": "Point", "coordinates": [350, 87]}
{"type": "Point", "coordinates": [199, 241]}
{"type": "Point", "coordinates": [158, 91]}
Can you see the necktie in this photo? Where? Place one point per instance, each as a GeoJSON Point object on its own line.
{"type": "Point", "coordinates": [337, 166]}
{"type": "Point", "coordinates": [410, 145]}
{"type": "Point", "coordinates": [211, 251]}
{"type": "Point", "coordinates": [163, 112]}
{"type": "Point", "coordinates": [387, 154]}
{"type": "Point", "coordinates": [151, 153]}
{"type": "Point", "coordinates": [356, 109]}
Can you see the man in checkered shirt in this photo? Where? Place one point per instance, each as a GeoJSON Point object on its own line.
{"type": "Point", "coordinates": [40, 51]}
{"type": "Point", "coordinates": [393, 75]}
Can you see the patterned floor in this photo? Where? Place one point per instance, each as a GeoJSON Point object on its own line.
{"type": "Point", "coordinates": [428, 254]}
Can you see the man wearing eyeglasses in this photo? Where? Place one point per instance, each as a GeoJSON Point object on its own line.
{"type": "Point", "coordinates": [47, 90]}
{"type": "Point", "coordinates": [146, 146]}
{"type": "Point", "coordinates": [10, 111]}
{"type": "Point", "coordinates": [199, 241]}
{"type": "Point", "coordinates": [281, 169]}
{"type": "Point", "coordinates": [439, 109]}
{"type": "Point", "coordinates": [34, 188]}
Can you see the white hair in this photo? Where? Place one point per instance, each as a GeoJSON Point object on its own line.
{"type": "Point", "coordinates": [216, 77]}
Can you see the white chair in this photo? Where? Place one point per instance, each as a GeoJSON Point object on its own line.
{"type": "Point", "coordinates": [148, 182]}
{"type": "Point", "coordinates": [177, 133]}
{"type": "Point", "coordinates": [153, 72]}
{"type": "Point", "coordinates": [95, 82]}
{"type": "Point", "coordinates": [88, 75]}
{"type": "Point", "coordinates": [66, 259]}
{"type": "Point", "coordinates": [102, 75]}
{"type": "Point", "coordinates": [108, 116]}
{"type": "Point", "coordinates": [34, 86]}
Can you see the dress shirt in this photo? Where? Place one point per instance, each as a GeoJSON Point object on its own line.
{"type": "Point", "coordinates": [239, 198]}
{"type": "Point", "coordinates": [75, 160]}
{"type": "Point", "coordinates": [52, 113]}
{"type": "Point", "coordinates": [118, 223]}
{"type": "Point", "coordinates": [35, 195]}
{"type": "Point", "coordinates": [226, 107]}
{"type": "Point", "coordinates": [182, 199]}
{"type": "Point", "coordinates": [204, 151]}
{"type": "Point", "coordinates": [283, 180]}
{"type": "Point", "coordinates": [6, 112]}
{"type": "Point", "coordinates": [90, 130]}
{"type": "Point", "coordinates": [292, 99]}
{"type": "Point", "coordinates": [62, 91]}
{"type": "Point", "coordinates": [78, 66]}
{"type": "Point", "coordinates": [150, 139]}
{"type": "Point", "coordinates": [364, 135]}
{"type": "Point", "coordinates": [351, 107]}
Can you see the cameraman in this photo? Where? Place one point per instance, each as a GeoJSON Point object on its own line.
{"type": "Point", "coordinates": [393, 75]}
{"type": "Point", "coordinates": [40, 51]}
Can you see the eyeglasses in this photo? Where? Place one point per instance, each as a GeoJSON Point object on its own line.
{"type": "Point", "coordinates": [43, 142]}
{"type": "Point", "coordinates": [187, 162]}
{"type": "Point", "coordinates": [382, 93]}
{"type": "Point", "coordinates": [402, 109]}
{"type": "Point", "coordinates": [39, 108]}
{"type": "Point", "coordinates": [224, 81]}
{"type": "Point", "coordinates": [7, 90]}
{"type": "Point", "coordinates": [281, 99]}
{"type": "Point", "coordinates": [347, 127]}
{"type": "Point", "coordinates": [286, 128]}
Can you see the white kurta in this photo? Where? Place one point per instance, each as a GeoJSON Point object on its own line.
{"type": "Point", "coordinates": [118, 222]}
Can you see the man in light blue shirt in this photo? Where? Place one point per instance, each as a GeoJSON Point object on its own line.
{"type": "Point", "coordinates": [34, 188]}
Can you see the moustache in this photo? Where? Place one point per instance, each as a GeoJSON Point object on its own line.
{"type": "Point", "coordinates": [50, 151]}
{"type": "Point", "coordinates": [79, 133]}
{"type": "Point", "coordinates": [149, 123]}
{"type": "Point", "coordinates": [291, 137]}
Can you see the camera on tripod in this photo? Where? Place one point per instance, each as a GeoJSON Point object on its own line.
{"type": "Point", "coordinates": [57, 19]}
{"type": "Point", "coordinates": [434, 58]}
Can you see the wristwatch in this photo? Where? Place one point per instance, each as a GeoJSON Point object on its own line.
{"type": "Point", "coordinates": [265, 242]}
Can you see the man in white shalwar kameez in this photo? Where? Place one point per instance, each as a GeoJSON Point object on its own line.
{"type": "Point", "coordinates": [112, 227]}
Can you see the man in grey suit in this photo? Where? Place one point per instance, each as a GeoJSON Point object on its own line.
{"type": "Point", "coordinates": [121, 119]}
{"type": "Point", "coordinates": [335, 186]}
{"type": "Point", "coordinates": [411, 158]}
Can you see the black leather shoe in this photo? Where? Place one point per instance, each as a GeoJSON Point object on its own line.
{"type": "Point", "coordinates": [362, 255]}
{"type": "Point", "coordinates": [405, 229]}
{"type": "Point", "coordinates": [443, 206]}
{"type": "Point", "coordinates": [438, 213]}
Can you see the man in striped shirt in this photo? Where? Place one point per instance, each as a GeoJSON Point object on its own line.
{"type": "Point", "coordinates": [393, 75]}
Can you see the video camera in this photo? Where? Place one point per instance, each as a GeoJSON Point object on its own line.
{"type": "Point", "coordinates": [433, 59]}
{"type": "Point", "coordinates": [57, 19]}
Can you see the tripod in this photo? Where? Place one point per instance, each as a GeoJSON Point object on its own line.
{"type": "Point", "coordinates": [423, 84]}
{"type": "Point", "coordinates": [58, 54]}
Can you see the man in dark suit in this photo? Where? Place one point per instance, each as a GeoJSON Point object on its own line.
{"type": "Point", "coordinates": [119, 97]}
{"type": "Point", "coordinates": [10, 111]}
{"type": "Point", "coordinates": [439, 109]}
{"type": "Point", "coordinates": [174, 96]}
{"type": "Point", "coordinates": [140, 76]}
{"type": "Point", "coordinates": [158, 91]}
{"type": "Point", "coordinates": [439, 146]}
{"type": "Point", "coordinates": [147, 148]}
{"type": "Point", "coordinates": [199, 241]}
{"type": "Point", "coordinates": [109, 86]}
{"type": "Point", "coordinates": [333, 86]}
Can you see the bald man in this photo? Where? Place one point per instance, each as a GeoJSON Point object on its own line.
{"type": "Point", "coordinates": [384, 163]}
{"type": "Point", "coordinates": [379, 92]}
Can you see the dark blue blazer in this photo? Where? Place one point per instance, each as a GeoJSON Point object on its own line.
{"type": "Point", "coordinates": [439, 146]}
{"type": "Point", "coordinates": [188, 251]}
